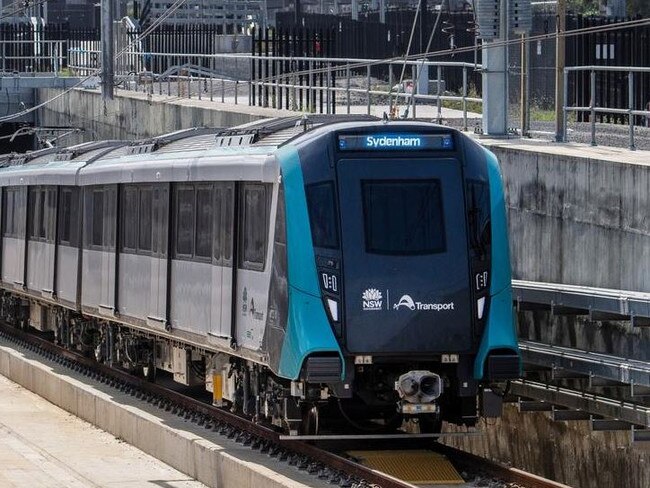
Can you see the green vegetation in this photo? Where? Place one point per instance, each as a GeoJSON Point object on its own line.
{"type": "Point", "coordinates": [584, 7]}
{"type": "Point", "coordinates": [592, 7]}
{"type": "Point", "coordinates": [472, 92]}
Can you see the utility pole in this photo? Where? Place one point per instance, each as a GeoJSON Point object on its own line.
{"type": "Point", "coordinates": [297, 11]}
{"type": "Point", "coordinates": [355, 9]}
{"type": "Point", "coordinates": [382, 11]}
{"type": "Point", "coordinates": [108, 52]}
{"type": "Point", "coordinates": [560, 52]}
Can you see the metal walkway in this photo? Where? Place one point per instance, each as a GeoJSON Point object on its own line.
{"type": "Point", "coordinates": [587, 363]}
{"type": "Point", "coordinates": [597, 303]}
{"type": "Point", "coordinates": [575, 384]}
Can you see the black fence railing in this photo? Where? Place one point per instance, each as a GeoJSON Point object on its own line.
{"type": "Point", "coordinates": [371, 39]}
{"type": "Point", "coordinates": [293, 43]}
{"type": "Point", "coordinates": [625, 47]}
{"type": "Point", "coordinates": [29, 48]}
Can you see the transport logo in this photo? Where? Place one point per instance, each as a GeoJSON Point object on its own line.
{"type": "Point", "coordinates": [372, 299]}
{"type": "Point", "coordinates": [405, 301]}
{"type": "Point", "coordinates": [408, 302]}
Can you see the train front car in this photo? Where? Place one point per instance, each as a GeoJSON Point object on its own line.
{"type": "Point", "coordinates": [399, 277]}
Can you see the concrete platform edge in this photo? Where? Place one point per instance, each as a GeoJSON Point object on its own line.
{"type": "Point", "coordinates": [160, 436]}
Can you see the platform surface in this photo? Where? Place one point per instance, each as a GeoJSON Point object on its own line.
{"type": "Point", "coordinates": [41, 445]}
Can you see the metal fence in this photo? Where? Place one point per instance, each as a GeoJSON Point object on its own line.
{"type": "Point", "coordinates": [632, 114]}
{"type": "Point", "coordinates": [325, 85]}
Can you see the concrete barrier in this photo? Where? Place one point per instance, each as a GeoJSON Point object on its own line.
{"type": "Point", "coordinates": [134, 115]}
{"type": "Point", "coordinates": [212, 459]}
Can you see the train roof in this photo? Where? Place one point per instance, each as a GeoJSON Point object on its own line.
{"type": "Point", "coordinates": [240, 153]}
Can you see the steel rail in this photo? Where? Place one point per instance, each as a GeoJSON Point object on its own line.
{"type": "Point", "coordinates": [315, 454]}
{"type": "Point", "coordinates": [330, 460]}
{"type": "Point", "coordinates": [499, 470]}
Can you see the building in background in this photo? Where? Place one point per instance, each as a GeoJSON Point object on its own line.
{"type": "Point", "coordinates": [236, 16]}
{"type": "Point", "coordinates": [78, 14]}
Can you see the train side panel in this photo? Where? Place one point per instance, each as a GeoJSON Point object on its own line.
{"type": "Point", "coordinates": [142, 288]}
{"type": "Point", "coordinates": [13, 260]}
{"type": "Point", "coordinates": [13, 232]}
{"type": "Point", "coordinates": [40, 267]}
{"type": "Point", "coordinates": [67, 274]}
{"type": "Point", "coordinates": [191, 296]}
{"type": "Point", "coordinates": [98, 281]}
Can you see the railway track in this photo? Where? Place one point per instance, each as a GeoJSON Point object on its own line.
{"type": "Point", "coordinates": [322, 463]}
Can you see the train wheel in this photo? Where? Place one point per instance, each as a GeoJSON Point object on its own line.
{"type": "Point", "coordinates": [310, 421]}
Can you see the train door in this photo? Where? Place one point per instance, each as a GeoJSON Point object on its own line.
{"type": "Point", "coordinates": [222, 265]}
{"type": "Point", "coordinates": [107, 300]}
{"type": "Point", "coordinates": [404, 255]}
{"type": "Point", "coordinates": [159, 263]}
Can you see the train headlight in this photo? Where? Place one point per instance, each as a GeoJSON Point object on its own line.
{"type": "Point", "coordinates": [480, 305]}
{"type": "Point", "coordinates": [333, 306]}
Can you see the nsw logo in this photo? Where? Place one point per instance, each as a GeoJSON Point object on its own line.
{"type": "Point", "coordinates": [405, 301]}
{"type": "Point", "coordinates": [372, 299]}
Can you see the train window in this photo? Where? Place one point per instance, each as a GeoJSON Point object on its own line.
{"type": "Point", "coordinates": [13, 216]}
{"type": "Point", "coordinates": [97, 236]}
{"type": "Point", "coordinates": [129, 218]}
{"type": "Point", "coordinates": [218, 221]}
{"type": "Point", "coordinates": [68, 216]}
{"type": "Point", "coordinates": [223, 222]}
{"type": "Point", "coordinates": [185, 221]}
{"type": "Point", "coordinates": [50, 221]}
{"type": "Point", "coordinates": [34, 213]}
{"type": "Point", "coordinates": [110, 220]}
{"type": "Point", "coordinates": [160, 212]}
{"type": "Point", "coordinates": [146, 204]}
{"type": "Point", "coordinates": [403, 217]}
{"type": "Point", "coordinates": [254, 226]}
{"type": "Point", "coordinates": [42, 209]}
{"type": "Point", "coordinates": [228, 222]}
{"type": "Point", "coordinates": [99, 223]}
{"type": "Point", "coordinates": [204, 206]}
{"type": "Point", "coordinates": [322, 215]}
{"type": "Point", "coordinates": [478, 205]}
{"type": "Point", "coordinates": [14, 213]}
{"type": "Point", "coordinates": [8, 212]}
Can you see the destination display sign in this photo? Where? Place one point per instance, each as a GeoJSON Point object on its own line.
{"type": "Point", "coordinates": [396, 142]}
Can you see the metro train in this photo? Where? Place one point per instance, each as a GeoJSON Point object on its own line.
{"type": "Point", "coordinates": [304, 270]}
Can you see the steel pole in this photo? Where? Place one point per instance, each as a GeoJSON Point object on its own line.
{"type": "Point", "coordinates": [108, 55]}
{"type": "Point", "coordinates": [560, 62]}
{"type": "Point", "coordinates": [523, 88]}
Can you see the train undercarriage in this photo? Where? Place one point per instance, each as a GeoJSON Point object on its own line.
{"type": "Point", "coordinates": [385, 396]}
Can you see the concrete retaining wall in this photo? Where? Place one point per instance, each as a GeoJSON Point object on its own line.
{"type": "Point", "coordinates": [566, 452]}
{"type": "Point", "coordinates": [199, 453]}
{"type": "Point", "coordinates": [577, 217]}
{"type": "Point", "coordinates": [133, 115]}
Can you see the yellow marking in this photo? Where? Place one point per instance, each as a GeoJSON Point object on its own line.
{"type": "Point", "coordinates": [418, 467]}
{"type": "Point", "coordinates": [217, 391]}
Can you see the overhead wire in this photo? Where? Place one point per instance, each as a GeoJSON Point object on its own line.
{"type": "Point", "coordinates": [432, 54]}
{"type": "Point", "coordinates": [457, 50]}
{"type": "Point", "coordinates": [408, 47]}
{"type": "Point", "coordinates": [363, 64]}
{"type": "Point", "coordinates": [419, 72]}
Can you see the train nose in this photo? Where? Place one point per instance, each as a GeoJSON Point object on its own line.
{"type": "Point", "coordinates": [419, 386]}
